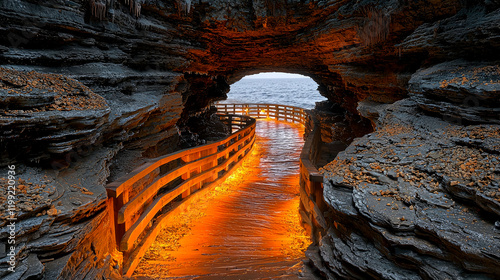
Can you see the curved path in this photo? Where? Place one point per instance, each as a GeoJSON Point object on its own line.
{"type": "Point", "coordinates": [248, 228]}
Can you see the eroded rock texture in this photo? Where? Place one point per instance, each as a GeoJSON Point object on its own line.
{"type": "Point", "coordinates": [421, 195]}
{"type": "Point", "coordinates": [159, 64]}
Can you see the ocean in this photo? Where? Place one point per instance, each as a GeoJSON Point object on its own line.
{"type": "Point", "coordinates": [300, 92]}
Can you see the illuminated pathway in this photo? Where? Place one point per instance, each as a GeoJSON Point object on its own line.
{"type": "Point", "coordinates": [248, 228]}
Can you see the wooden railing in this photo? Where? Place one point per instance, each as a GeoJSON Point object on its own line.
{"type": "Point", "coordinates": [312, 205]}
{"type": "Point", "coordinates": [145, 200]}
{"type": "Point", "coordinates": [138, 199]}
{"type": "Point", "coordinates": [272, 111]}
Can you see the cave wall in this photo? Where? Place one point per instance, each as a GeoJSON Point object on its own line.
{"type": "Point", "coordinates": [161, 66]}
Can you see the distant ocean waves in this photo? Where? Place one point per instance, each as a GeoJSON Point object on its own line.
{"type": "Point", "coordinates": [295, 92]}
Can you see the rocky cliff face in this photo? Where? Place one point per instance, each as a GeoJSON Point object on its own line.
{"type": "Point", "coordinates": [420, 196]}
{"type": "Point", "coordinates": [155, 64]}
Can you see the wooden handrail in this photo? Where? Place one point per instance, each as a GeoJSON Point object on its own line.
{"type": "Point", "coordinates": [273, 111]}
{"type": "Point", "coordinates": [134, 198]}
{"type": "Point", "coordinates": [117, 187]}
{"type": "Point", "coordinates": [133, 233]}
{"type": "Point", "coordinates": [138, 201]}
{"type": "Point", "coordinates": [289, 114]}
{"type": "Point", "coordinates": [134, 201]}
{"type": "Point", "coordinates": [311, 181]}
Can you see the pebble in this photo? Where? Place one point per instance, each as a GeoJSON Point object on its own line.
{"type": "Point", "coordinates": [52, 212]}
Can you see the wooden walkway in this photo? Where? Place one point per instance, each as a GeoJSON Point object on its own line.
{"type": "Point", "coordinates": [249, 226]}
{"type": "Point", "coordinates": [153, 196]}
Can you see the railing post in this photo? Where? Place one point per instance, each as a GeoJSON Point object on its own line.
{"type": "Point", "coordinates": [199, 169]}
{"type": "Point", "coordinates": [120, 229]}
{"type": "Point", "coordinates": [113, 207]}
{"type": "Point", "coordinates": [214, 164]}
{"type": "Point", "coordinates": [230, 122]}
{"type": "Point", "coordinates": [125, 198]}
{"type": "Point", "coordinates": [187, 175]}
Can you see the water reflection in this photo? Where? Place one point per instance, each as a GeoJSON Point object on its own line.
{"type": "Point", "coordinates": [248, 228]}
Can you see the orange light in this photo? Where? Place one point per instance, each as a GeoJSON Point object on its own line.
{"type": "Point", "coordinates": [276, 223]}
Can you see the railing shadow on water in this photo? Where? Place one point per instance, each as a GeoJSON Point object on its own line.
{"type": "Point", "coordinates": [142, 201]}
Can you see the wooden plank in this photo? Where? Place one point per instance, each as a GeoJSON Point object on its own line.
{"type": "Point", "coordinates": [135, 230]}
{"type": "Point", "coordinates": [116, 188]}
{"type": "Point", "coordinates": [136, 256]}
{"type": "Point", "coordinates": [138, 201]}
{"type": "Point", "coordinates": [318, 216]}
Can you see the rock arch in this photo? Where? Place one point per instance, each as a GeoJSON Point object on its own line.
{"type": "Point", "coordinates": [411, 67]}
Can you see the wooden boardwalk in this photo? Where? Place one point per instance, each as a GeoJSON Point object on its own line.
{"type": "Point", "coordinates": [248, 228]}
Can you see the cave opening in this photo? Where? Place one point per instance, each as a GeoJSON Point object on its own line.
{"type": "Point", "coordinates": [263, 203]}
{"type": "Point", "coordinates": [275, 88]}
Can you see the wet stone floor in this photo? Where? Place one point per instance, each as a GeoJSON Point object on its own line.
{"type": "Point", "coordinates": [246, 228]}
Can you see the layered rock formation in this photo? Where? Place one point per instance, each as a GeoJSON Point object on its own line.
{"type": "Point", "coordinates": [420, 195]}
{"type": "Point", "coordinates": [159, 63]}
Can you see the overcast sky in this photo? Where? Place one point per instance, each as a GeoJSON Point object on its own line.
{"type": "Point", "coordinates": [274, 75]}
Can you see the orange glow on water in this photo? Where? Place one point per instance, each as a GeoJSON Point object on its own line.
{"type": "Point", "coordinates": [248, 227]}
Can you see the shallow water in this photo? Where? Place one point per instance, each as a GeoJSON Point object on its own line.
{"type": "Point", "coordinates": [301, 92]}
{"type": "Point", "coordinates": [249, 227]}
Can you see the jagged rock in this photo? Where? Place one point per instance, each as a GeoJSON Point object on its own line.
{"type": "Point", "coordinates": [429, 216]}
{"type": "Point", "coordinates": [79, 235]}
{"type": "Point", "coordinates": [371, 110]}
{"type": "Point", "coordinates": [471, 33]}
{"type": "Point", "coordinates": [337, 124]}
{"type": "Point", "coordinates": [35, 268]}
{"type": "Point", "coordinates": [68, 116]}
{"type": "Point", "coordinates": [459, 90]}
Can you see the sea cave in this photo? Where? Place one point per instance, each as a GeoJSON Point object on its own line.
{"type": "Point", "coordinates": [116, 128]}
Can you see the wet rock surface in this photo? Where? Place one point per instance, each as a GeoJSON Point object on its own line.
{"type": "Point", "coordinates": [44, 113]}
{"type": "Point", "coordinates": [420, 195]}
{"type": "Point", "coordinates": [460, 91]}
{"type": "Point", "coordinates": [63, 230]}
{"type": "Point", "coordinates": [202, 128]}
